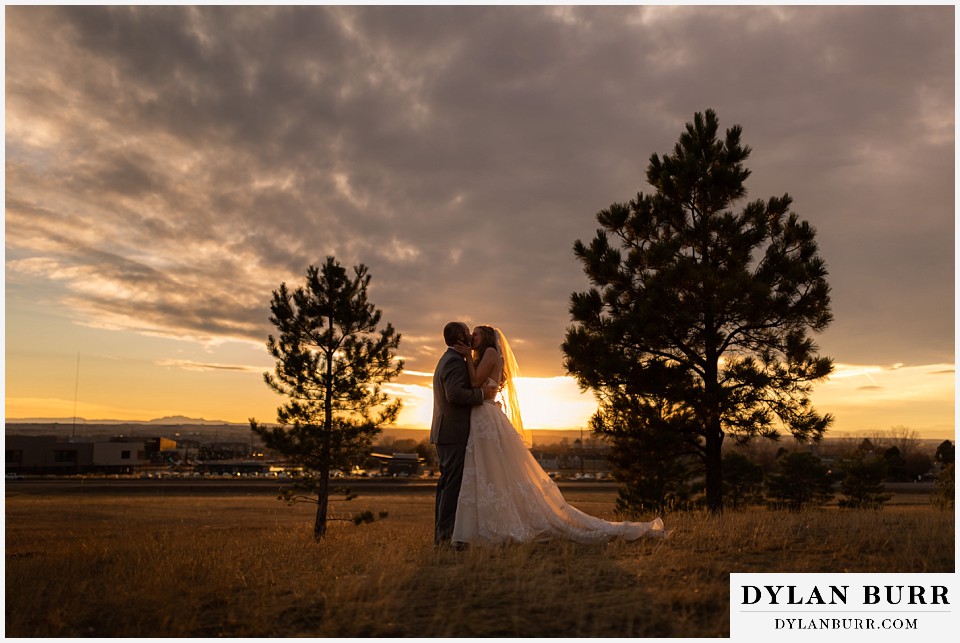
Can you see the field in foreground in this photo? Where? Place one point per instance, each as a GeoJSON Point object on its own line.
{"type": "Point", "coordinates": [246, 566]}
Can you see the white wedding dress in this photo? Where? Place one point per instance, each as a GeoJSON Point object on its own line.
{"type": "Point", "coordinates": [507, 497]}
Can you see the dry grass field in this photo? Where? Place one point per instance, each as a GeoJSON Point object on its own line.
{"type": "Point", "coordinates": [208, 565]}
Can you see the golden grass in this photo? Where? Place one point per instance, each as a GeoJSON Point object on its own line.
{"type": "Point", "coordinates": [246, 566]}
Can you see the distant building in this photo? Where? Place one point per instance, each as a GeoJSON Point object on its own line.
{"type": "Point", "coordinates": [52, 455]}
{"type": "Point", "coordinates": [399, 463]}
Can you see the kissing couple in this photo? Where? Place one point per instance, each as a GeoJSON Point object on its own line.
{"type": "Point", "coordinates": [491, 489]}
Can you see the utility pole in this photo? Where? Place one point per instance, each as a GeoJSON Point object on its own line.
{"type": "Point", "coordinates": [76, 391]}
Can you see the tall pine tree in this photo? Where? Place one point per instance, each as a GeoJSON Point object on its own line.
{"type": "Point", "coordinates": [331, 359]}
{"type": "Point", "coordinates": [700, 317]}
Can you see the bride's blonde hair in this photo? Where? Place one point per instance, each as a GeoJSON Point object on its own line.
{"type": "Point", "coordinates": [494, 337]}
{"type": "Point", "coordinates": [488, 339]}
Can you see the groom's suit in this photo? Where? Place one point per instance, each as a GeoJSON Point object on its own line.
{"type": "Point", "coordinates": [452, 399]}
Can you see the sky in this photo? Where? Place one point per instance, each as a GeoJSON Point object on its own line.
{"type": "Point", "coordinates": [167, 168]}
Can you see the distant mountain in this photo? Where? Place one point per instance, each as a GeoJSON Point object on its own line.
{"type": "Point", "coordinates": [179, 420]}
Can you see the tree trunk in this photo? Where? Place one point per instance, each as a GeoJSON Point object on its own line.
{"type": "Point", "coordinates": [713, 462]}
{"type": "Point", "coordinates": [323, 485]}
{"type": "Point", "coordinates": [323, 499]}
{"type": "Point", "coordinates": [714, 429]}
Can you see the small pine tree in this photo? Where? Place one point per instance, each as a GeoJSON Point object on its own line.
{"type": "Point", "coordinates": [895, 464]}
{"type": "Point", "coordinates": [742, 479]}
{"type": "Point", "coordinates": [648, 456]}
{"type": "Point", "coordinates": [802, 479]}
{"type": "Point", "coordinates": [654, 471]}
{"type": "Point", "coordinates": [944, 497]}
{"type": "Point", "coordinates": [331, 360]}
{"type": "Point", "coordinates": [946, 453]}
{"type": "Point", "coordinates": [863, 484]}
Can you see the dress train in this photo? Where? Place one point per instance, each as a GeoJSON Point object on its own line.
{"type": "Point", "coordinates": [506, 496]}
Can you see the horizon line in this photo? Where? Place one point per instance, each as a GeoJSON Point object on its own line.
{"type": "Point", "coordinates": [934, 434]}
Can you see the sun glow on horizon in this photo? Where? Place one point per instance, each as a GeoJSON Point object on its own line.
{"type": "Point", "coordinates": [862, 398]}
{"type": "Point", "coordinates": [554, 403]}
{"type": "Point", "coordinates": [545, 403]}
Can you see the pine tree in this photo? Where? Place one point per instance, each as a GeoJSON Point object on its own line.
{"type": "Point", "coordinates": [742, 479]}
{"type": "Point", "coordinates": [701, 312]}
{"type": "Point", "coordinates": [652, 466]}
{"type": "Point", "coordinates": [863, 483]}
{"type": "Point", "coordinates": [945, 498]}
{"type": "Point", "coordinates": [331, 359]}
{"type": "Point", "coordinates": [801, 479]}
{"type": "Point", "coordinates": [946, 453]}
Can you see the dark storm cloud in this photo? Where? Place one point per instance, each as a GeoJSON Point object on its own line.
{"type": "Point", "coordinates": [170, 166]}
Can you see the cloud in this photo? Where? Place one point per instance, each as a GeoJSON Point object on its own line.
{"type": "Point", "coordinates": [410, 373]}
{"type": "Point", "coordinates": [167, 167]}
{"type": "Point", "coordinates": [203, 366]}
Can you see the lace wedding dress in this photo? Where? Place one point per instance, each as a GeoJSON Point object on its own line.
{"type": "Point", "coordinates": [507, 497]}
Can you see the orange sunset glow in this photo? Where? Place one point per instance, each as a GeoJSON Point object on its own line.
{"type": "Point", "coordinates": [167, 168]}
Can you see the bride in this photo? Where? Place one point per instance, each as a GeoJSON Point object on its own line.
{"type": "Point", "coordinates": [506, 496]}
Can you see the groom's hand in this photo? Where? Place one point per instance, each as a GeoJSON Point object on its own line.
{"type": "Point", "coordinates": [489, 391]}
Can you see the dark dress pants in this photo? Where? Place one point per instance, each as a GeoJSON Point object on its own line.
{"type": "Point", "coordinates": [451, 458]}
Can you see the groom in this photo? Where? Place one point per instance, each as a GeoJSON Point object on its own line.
{"type": "Point", "coordinates": [452, 399]}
